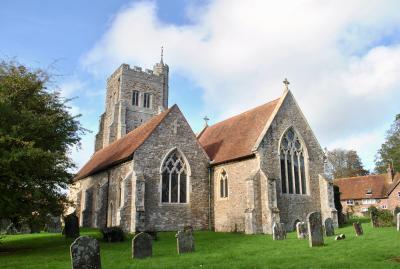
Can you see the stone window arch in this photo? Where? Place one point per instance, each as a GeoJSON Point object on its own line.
{"type": "Point", "coordinates": [174, 178]}
{"type": "Point", "coordinates": [111, 212]}
{"type": "Point", "coordinates": [293, 152]}
{"type": "Point", "coordinates": [223, 185]}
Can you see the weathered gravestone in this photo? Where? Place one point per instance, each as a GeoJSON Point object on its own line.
{"type": "Point", "coordinates": [53, 225]}
{"type": "Point", "coordinates": [71, 229]}
{"type": "Point", "coordinates": [314, 225]}
{"type": "Point", "coordinates": [184, 241]}
{"type": "Point", "coordinates": [301, 228]}
{"type": "Point", "coordinates": [278, 231]}
{"type": "Point", "coordinates": [358, 228]}
{"type": "Point", "coordinates": [142, 246]}
{"type": "Point", "coordinates": [329, 229]}
{"type": "Point", "coordinates": [85, 253]}
{"type": "Point", "coordinates": [398, 221]}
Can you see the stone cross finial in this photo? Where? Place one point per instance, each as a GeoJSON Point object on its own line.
{"type": "Point", "coordinates": [286, 82]}
{"type": "Point", "coordinates": [206, 119]}
{"type": "Point", "coordinates": [162, 54]}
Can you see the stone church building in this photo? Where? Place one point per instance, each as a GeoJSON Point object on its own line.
{"type": "Point", "coordinates": [151, 172]}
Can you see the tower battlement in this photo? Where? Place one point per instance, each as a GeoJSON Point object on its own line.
{"type": "Point", "coordinates": [133, 96]}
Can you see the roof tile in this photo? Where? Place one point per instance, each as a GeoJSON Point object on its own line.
{"type": "Point", "coordinates": [235, 137]}
{"type": "Point", "coordinates": [121, 149]}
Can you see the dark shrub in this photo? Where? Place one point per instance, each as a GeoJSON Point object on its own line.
{"type": "Point", "coordinates": [396, 210]}
{"type": "Point", "coordinates": [112, 234]}
{"type": "Point", "coordinates": [338, 205]}
{"type": "Point", "coordinates": [380, 217]}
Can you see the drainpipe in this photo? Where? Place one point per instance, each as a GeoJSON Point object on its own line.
{"type": "Point", "coordinates": [209, 195]}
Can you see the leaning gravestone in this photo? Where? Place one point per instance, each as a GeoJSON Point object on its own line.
{"type": "Point", "coordinates": [142, 246]}
{"type": "Point", "coordinates": [85, 253]}
{"type": "Point", "coordinates": [278, 231]}
{"type": "Point", "coordinates": [329, 229]}
{"type": "Point", "coordinates": [185, 241]}
{"type": "Point", "coordinates": [398, 222]}
{"type": "Point", "coordinates": [53, 225]}
{"type": "Point", "coordinates": [301, 228]}
{"type": "Point", "coordinates": [358, 228]}
{"type": "Point", "coordinates": [314, 225]}
{"type": "Point", "coordinates": [71, 229]}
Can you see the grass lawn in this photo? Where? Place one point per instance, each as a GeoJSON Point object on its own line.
{"type": "Point", "coordinates": [377, 248]}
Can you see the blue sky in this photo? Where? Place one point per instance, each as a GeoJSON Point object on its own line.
{"type": "Point", "coordinates": [343, 60]}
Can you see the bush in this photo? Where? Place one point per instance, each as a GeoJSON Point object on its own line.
{"type": "Point", "coordinates": [112, 234]}
{"type": "Point", "coordinates": [380, 217]}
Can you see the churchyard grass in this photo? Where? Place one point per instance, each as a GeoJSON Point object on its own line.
{"type": "Point", "coordinates": [375, 249]}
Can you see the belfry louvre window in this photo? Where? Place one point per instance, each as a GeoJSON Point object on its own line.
{"type": "Point", "coordinates": [135, 98]}
{"type": "Point", "coordinates": [223, 185]}
{"type": "Point", "coordinates": [174, 179]}
{"type": "Point", "coordinates": [293, 175]}
{"type": "Point", "coordinates": [146, 100]}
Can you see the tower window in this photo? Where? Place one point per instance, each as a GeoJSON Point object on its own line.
{"type": "Point", "coordinates": [135, 98]}
{"type": "Point", "coordinates": [146, 100]}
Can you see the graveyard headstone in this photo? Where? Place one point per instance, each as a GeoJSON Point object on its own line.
{"type": "Point", "coordinates": [185, 241]}
{"type": "Point", "coordinates": [358, 228]}
{"type": "Point", "coordinates": [71, 229]}
{"type": "Point", "coordinates": [278, 231]}
{"type": "Point", "coordinates": [85, 253]}
{"type": "Point", "coordinates": [301, 229]}
{"type": "Point", "coordinates": [329, 229]}
{"type": "Point", "coordinates": [314, 225]}
{"type": "Point", "coordinates": [142, 246]}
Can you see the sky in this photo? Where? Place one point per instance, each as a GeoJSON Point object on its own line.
{"type": "Point", "coordinates": [342, 58]}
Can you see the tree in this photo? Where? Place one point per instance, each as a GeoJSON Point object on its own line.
{"type": "Point", "coordinates": [344, 163]}
{"type": "Point", "coordinates": [389, 153]}
{"type": "Point", "coordinates": [36, 134]}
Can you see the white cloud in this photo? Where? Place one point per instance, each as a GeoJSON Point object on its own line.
{"type": "Point", "coordinates": [238, 52]}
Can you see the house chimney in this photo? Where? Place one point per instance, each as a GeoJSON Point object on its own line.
{"type": "Point", "coordinates": [390, 172]}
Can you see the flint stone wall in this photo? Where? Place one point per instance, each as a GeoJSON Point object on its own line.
{"type": "Point", "coordinates": [151, 214]}
{"type": "Point", "coordinates": [292, 207]}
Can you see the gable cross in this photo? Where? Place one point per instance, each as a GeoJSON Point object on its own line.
{"type": "Point", "coordinates": [286, 82]}
{"type": "Point", "coordinates": [206, 119]}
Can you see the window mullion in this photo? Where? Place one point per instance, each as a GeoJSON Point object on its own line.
{"type": "Point", "coordinates": [179, 187]}
{"type": "Point", "coordinates": [286, 174]}
{"type": "Point", "coordinates": [299, 172]}
{"type": "Point", "coordinates": [294, 175]}
{"type": "Point", "coordinates": [169, 190]}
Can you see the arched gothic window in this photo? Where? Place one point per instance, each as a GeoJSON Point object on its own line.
{"type": "Point", "coordinates": [223, 185]}
{"type": "Point", "coordinates": [293, 175]}
{"type": "Point", "coordinates": [174, 179]}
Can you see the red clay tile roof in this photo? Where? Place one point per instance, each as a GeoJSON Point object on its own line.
{"type": "Point", "coordinates": [121, 149]}
{"type": "Point", "coordinates": [396, 181]}
{"type": "Point", "coordinates": [235, 137]}
{"type": "Point", "coordinates": [355, 188]}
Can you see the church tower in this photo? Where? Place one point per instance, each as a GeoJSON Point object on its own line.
{"type": "Point", "coordinates": [133, 97]}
